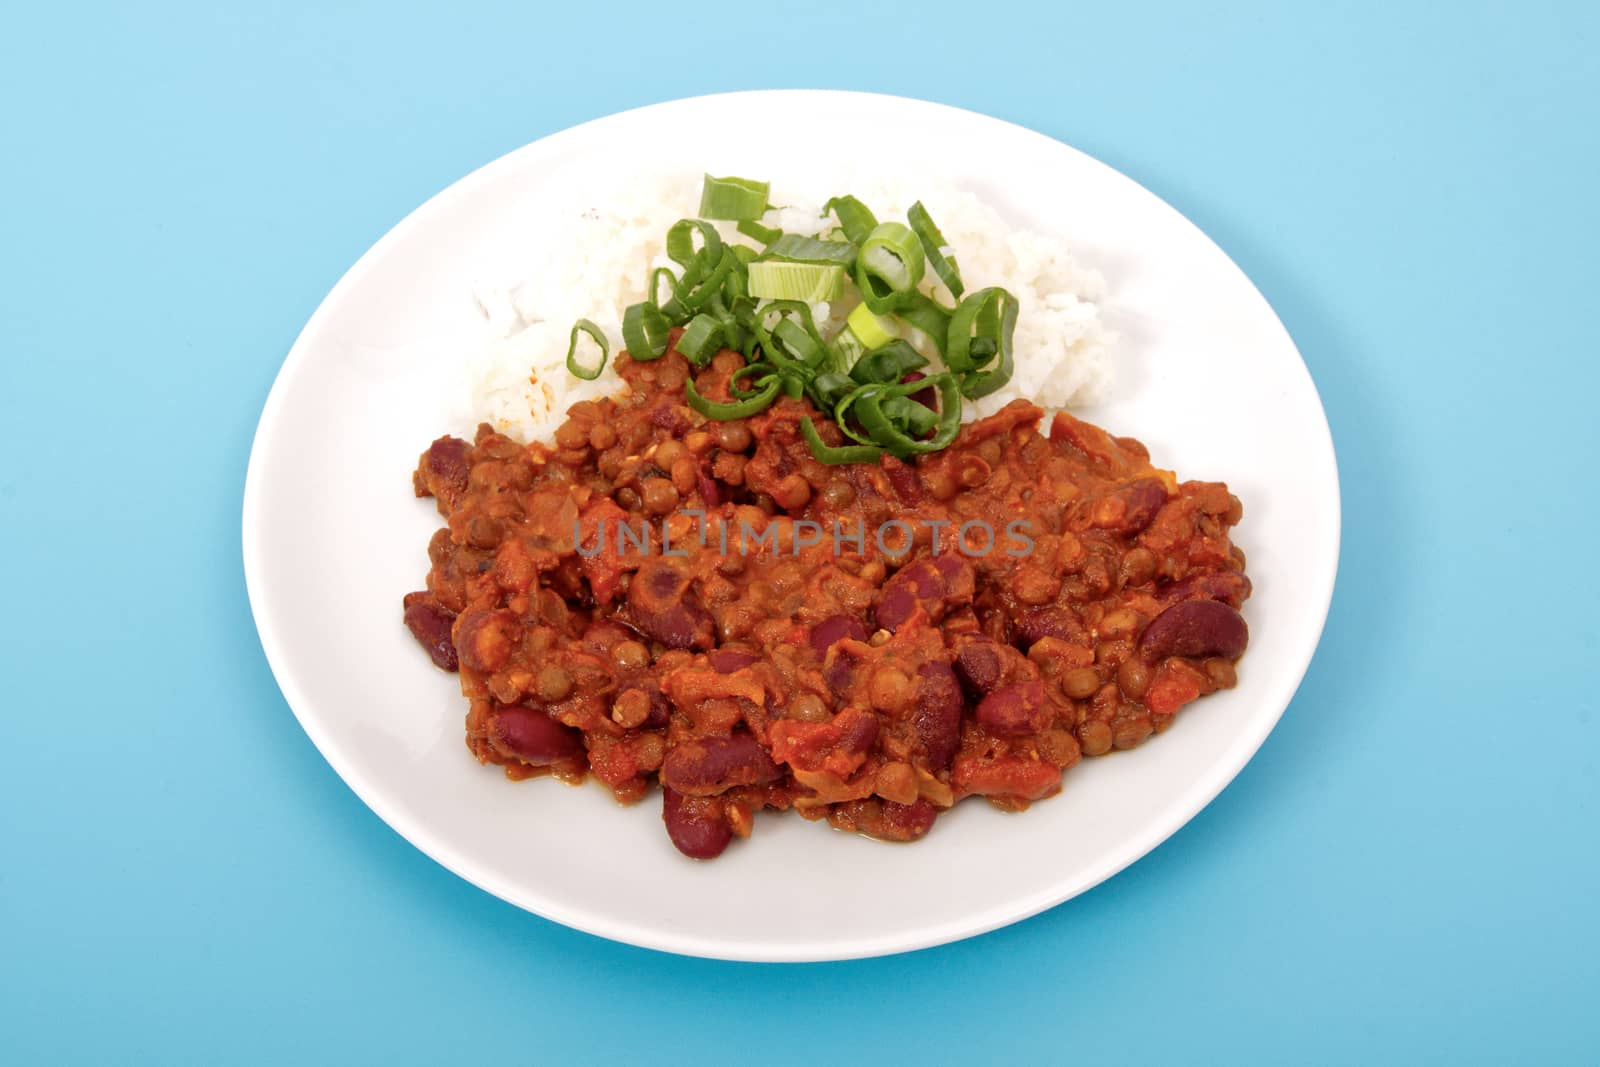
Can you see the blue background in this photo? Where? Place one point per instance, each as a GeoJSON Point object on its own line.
{"type": "Point", "coordinates": [1406, 871]}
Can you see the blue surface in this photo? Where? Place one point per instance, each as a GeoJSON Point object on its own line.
{"type": "Point", "coordinates": [1408, 869]}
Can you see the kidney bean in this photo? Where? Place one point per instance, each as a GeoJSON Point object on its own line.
{"type": "Point", "coordinates": [430, 624]}
{"type": "Point", "coordinates": [709, 492]}
{"type": "Point", "coordinates": [840, 671]}
{"type": "Point", "coordinates": [662, 606]}
{"type": "Point", "coordinates": [444, 470]}
{"type": "Point", "coordinates": [674, 418]}
{"type": "Point", "coordinates": [907, 822]}
{"type": "Point", "coordinates": [937, 715]}
{"type": "Point", "coordinates": [485, 639]}
{"type": "Point", "coordinates": [534, 737]}
{"type": "Point", "coordinates": [936, 584]}
{"type": "Point", "coordinates": [903, 478]}
{"type": "Point", "coordinates": [1015, 710]}
{"type": "Point", "coordinates": [836, 628]}
{"type": "Point", "coordinates": [730, 660]}
{"type": "Point", "coordinates": [1230, 587]}
{"type": "Point", "coordinates": [1133, 507]}
{"type": "Point", "coordinates": [695, 825]}
{"type": "Point", "coordinates": [711, 765]}
{"type": "Point", "coordinates": [1195, 628]}
{"type": "Point", "coordinates": [858, 730]}
{"type": "Point", "coordinates": [1040, 623]}
{"type": "Point", "coordinates": [979, 665]}
{"type": "Point", "coordinates": [895, 605]}
{"type": "Point", "coordinates": [1006, 776]}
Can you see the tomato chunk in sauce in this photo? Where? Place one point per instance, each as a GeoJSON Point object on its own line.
{"type": "Point", "coordinates": [660, 598]}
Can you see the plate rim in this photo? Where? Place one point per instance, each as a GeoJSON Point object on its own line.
{"type": "Point", "coordinates": [439, 848]}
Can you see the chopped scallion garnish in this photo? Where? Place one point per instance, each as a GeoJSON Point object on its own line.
{"type": "Point", "coordinates": [733, 198]}
{"type": "Point", "coordinates": [645, 331]}
{"type": "Point", "coordinates": [933, 244]}
{"type": "Point", "coordinates": [889, 266]}
{"type": "Point", "coordinates": [578, 369]}
{"type": "Point", "coordinates": [757, 302]}
{"type": "Point", "coordinates": [811, 282]}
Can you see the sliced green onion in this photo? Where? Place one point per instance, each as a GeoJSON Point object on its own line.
{"type": "Point", "coordinates": [830, 388]}
{"type": "Point", "coordinates": [845, 351]}
{"type": "Point", "coordinates": [749, 370]}
{"type": "Point", "coordinates": [733, 198]}
{"type": "Point", "coordinates": [680, 242]}
{"type": "Point", "coordinates": [738, 409]}
{"type": "Point", "coordinates": [883, 430]}
{"type": "Point", "coordinates": [794, 248]}
{"type": "Point", "coordinates": [912, 416]}
{"type": "Point", "coordinates": [928, 316]}
{"type": "Point", "coordinates": [888, 364]}
{"type": "Point", "coordinates": [576, 369]}
{"type": "Point", "coordinates": [836, 454]}
{"type": "Point", "coordinates": [841, 411]}
{"type": "Point", "coordinates": [798, 343]}
{"type": "Point", "coordinates": [794, 348]}
{"type": "Point", "coordinates": [695, 292]}
{"type": "Point", "coordinates": [889, 267]}
{"type": "Point", "coordinates": [874, 331]}
{"type": "Point", "coordinates": [654, 295]}
{"type": "Point", "coordinates": [810, 282]}
{"type": "Point", "coordinates": [933, 245]}
{"type": "Point", "coordinates": [855, 218]}
{"type": "Point", "coordinates": [645, 331]}
{"type": "Point", "coordinates": [981, 328]}
{"type": "Point", "coordinates": [765, 234]}
{"type": "Point", "coordinates": [671, 307]}
{"type": "Point", "coordinates": [701, 339]}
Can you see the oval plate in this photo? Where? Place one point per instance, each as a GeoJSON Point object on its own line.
{"type": "Point", "coordinates": [1206, 377]}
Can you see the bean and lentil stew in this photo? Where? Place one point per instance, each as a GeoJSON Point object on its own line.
{"type": "Point", "coordinates": [970, 623]}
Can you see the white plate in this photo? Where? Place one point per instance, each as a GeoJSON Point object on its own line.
{"type": "Point", "coordinates": [1207, 378]}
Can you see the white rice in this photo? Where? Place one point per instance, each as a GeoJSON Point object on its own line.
{"type": "Point", "coordinates": [595, 259]}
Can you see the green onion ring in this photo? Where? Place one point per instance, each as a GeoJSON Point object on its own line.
{"type": "Point", "coordinates": [928, 316]}
{"type": "Point", "coordinates": [989, 314]}
{"type": "Point", "coordinates": [803, 347]}
{"type": "Point", "coordinates": [754, 229]}
{"type": "Point", "coordinates": [887, 365]}
{"type": "Point", "coordinates": [806, 361]}
{"type": "Point", "coordinates": [836, 454]}
{"type": "Point", "coordinates": [828, 389]}
{"type": "Point", "coordinates": [911, 416]}
{"type": "Point", "coordinates": [841, 413]}
{"type": "Point", "coordinates": [645, 331]}
{"type": "Point", "coordinates": [745, 371]}
{"type": "Point", "coordinates": [733, 198]}
{"type": "Point", "coordinates": [889, 267]}
{"type": "Point", "coordinates": [701, 339]}
{"type": "Point", "coordinates": [695, 294]}
{"type": "Point", "coordinates": [795, 248]}
{"type": "Point", "coordinates": [855, 218]}
{"type": "Point", "coordinates": [576, 369]}
{"type": "Point", "coordinates": [883, 431]}
{"type": "Point", "coordinates": [933, 244]}
{"type": "Point", "coordinates": [680, 241]}
{"type": "Point", "coordinates": [739, 409]}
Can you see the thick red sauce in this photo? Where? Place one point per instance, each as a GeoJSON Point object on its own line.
{"type": "Point", "coordinates": [874, 683]}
